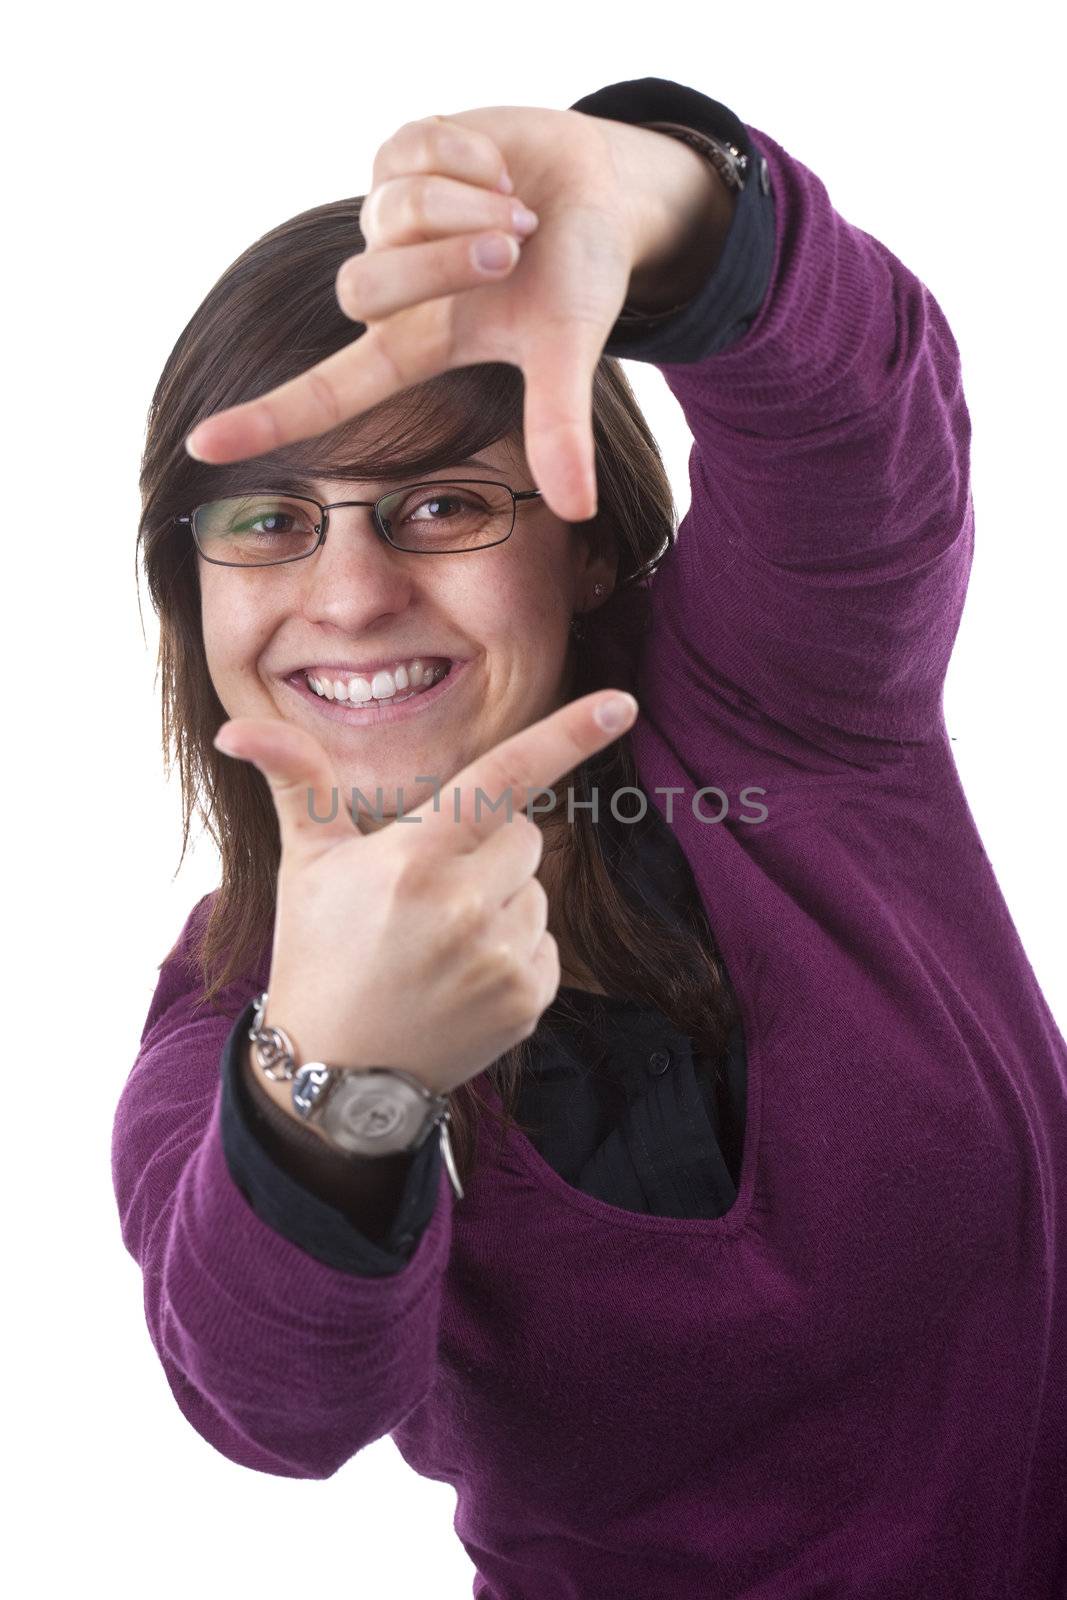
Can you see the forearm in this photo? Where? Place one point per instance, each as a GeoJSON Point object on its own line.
{"type": "Point", "coordinates": [220, 1287]}
{"type": "Point", "coordinates": [681, 213]}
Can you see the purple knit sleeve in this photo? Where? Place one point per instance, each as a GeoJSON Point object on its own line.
{"type": "Point", "coordinates": [819, 576]}
{"type": "Point", "coordinates": [282, 1363]}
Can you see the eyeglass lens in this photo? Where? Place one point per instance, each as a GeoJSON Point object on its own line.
{"type": "Point", "coordinates": [262, 528]}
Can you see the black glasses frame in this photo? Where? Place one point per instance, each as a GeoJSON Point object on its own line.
{"type": "Point", "coordinates": [376, 519]}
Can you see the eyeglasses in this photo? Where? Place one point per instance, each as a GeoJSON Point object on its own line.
{"type": "Point", "coordinates": [264, 528]}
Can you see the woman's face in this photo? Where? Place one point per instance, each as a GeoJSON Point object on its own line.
{"type": "Point", "coordinates": [501, 615]}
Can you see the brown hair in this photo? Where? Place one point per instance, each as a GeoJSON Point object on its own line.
{"type": "Point", "coordinates": [272, 314]}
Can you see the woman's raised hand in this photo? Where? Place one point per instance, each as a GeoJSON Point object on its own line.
{"type": "Point", "coordinates": [422, 945]}
{"type": "Point", "coordinates": [429, 305]}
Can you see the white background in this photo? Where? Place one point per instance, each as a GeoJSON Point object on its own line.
{"type": "Point", "coordinates": [145, 150]}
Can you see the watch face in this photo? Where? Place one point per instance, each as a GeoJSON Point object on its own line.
{"type": "Point", "coordinates": [375, 1113]}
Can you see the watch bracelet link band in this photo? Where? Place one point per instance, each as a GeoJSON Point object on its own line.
{"type": "Point", "coordinates": [729, 162]}
{"type": "Point", "coordinates": [364, 1111]}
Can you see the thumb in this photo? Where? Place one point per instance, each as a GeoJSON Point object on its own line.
{"type": "Point", "coordinates": [303, 784]}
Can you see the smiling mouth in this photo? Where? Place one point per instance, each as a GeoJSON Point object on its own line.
{"type": "Point", "coordinates": [381, 708]}
{"type": "Point", "coordinates": [383, 688]}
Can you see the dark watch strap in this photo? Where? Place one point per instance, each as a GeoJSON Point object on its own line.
{"type": "Point", "coordinates": [728, 161]}
{"type": "Point", "coordinates": [723, 310]}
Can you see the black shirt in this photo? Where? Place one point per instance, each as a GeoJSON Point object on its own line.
{"type": "Point", "coordinates": [623, 1106]}
{"type": "Point", "coordinates": [615, 1101]}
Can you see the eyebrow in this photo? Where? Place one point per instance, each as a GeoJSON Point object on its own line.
{"type": "Point", "coordinates": [277, 477]}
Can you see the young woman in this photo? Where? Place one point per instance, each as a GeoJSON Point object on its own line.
{"type": "Point", "coordinates": [757, 1287]}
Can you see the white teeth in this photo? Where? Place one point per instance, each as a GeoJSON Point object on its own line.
{"type": "Point", "coordinates": [406, 679]}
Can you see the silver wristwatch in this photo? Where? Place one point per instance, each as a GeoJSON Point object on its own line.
{"type": "Point", "coordinates": [366, 1111]}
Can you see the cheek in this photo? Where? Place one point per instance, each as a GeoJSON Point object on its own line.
{"type": "Point", "coordinates": [539, 605]}
{"type": "Point", "coordinates": [222, 642]}
{"type": "Point", "coordinates": [233, 636]}
{"type": "Point", "coordinates": [529, 633]}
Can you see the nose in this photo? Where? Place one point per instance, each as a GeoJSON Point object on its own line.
{"type": "Point", "coordinates": [355, 575]}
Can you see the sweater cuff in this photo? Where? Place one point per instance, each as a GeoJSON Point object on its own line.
{"type": "Point", "coordinates": [727, 304]}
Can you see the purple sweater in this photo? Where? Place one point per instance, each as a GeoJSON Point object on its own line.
{"type": "Point", "coordinates": [854, 1383]}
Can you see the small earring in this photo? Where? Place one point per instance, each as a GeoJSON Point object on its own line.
{"type": "Point", "coordinates": [578, 619]}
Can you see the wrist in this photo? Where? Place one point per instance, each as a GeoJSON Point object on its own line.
{"type": "Point", "coordinates": [680, 214]}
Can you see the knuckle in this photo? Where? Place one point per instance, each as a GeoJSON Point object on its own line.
{"type": "Point", "coordinates": [534, 838]}
{"type": "Point", "coordinates": [417, 876]}
{"type": "Point", "coordinates": [499, 956]}
{"type": "Point", "coordinates": [370, 206]}
{"type": "Point", "coordinates": [348, 285]}
{"type": "Point", "coordinates": [529, 832]}
{"type": "Point", "coordinates": [406, 146]}
{"type": "Point", "coordinates": [420, 142]}
{"type": "Point", "coordinates": [548, 954]}
{"type": "Point", "coordinates": [528, 992]}
{"type": "Point", "coordinates": [325, 397]}
{"type": "Point", "coordinates": [510, 979]}
{"type": "Point", "coordinates": [384, 208]}
{"type": "Point", "coordinates": [532, 1005]}
{"type": "Point", "coordinates": [408, 139]}
{"type": "Point", "coordinates": [418, 200]}
{"type": "Point", "coordinates": [538, 897]}
{"type": "Point", "coordinates": [447, 143]}
{"type": "Point", "coordinates": [464, 912]}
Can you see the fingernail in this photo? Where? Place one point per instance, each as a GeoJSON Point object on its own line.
{"type": "Point", "coordinates": [222, 740]}
{"type": "Point", "coordinates": [504, 183]}
{"type": "Point", "coordinates": [191, 448]}
{"type": "Point", "coordinates": [523, 220]}
{"type": "Point", "coordinates": [617, 713]}
{"type": "Point", "coordinates": [494, 251]}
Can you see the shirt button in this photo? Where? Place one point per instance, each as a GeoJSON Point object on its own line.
{"type": "Point", "coordinates": [764, 176]}
{"type": "Point", "coordinates": [659, 1061]}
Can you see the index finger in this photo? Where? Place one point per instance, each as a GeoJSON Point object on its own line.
{"type": "Point", "coordinates": [391, 356]}
{"type": "Point", "coordinates": [487, 792]}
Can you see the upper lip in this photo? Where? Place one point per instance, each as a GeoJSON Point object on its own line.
{"type": "Point", "coordinates": [368, 668]}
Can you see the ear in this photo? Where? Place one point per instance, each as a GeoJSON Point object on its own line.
{"type": "Point", "coordinates": [597, 562]}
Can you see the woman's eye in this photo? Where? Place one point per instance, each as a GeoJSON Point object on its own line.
{"type": "Point", "coordinates": [439, 500]}
{"type": "Point", "coordinates": [258, 524]}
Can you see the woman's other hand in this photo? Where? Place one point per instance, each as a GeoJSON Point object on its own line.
{"type": "Point", "coordinates": [424, 945]}
{"type": "Point", "coordinates": [612, 202]}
